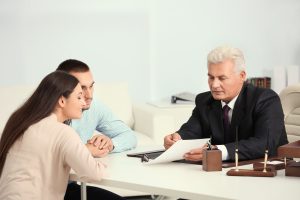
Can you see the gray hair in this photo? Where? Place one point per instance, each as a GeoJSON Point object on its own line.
{"type": "Point", "coordinates": [223, 53]}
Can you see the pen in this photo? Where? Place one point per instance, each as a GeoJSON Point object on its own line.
{"type": "Point", "coordinates": [236, 149]}
{"type": "Point", "coordinates": [209, 144]}
{"type": "Point", "coordinates": [266, 153]}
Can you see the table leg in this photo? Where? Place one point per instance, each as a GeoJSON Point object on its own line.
{"type": "Point", "coordinates": [160, 197]}
{"type": "Point", "coordinates": [83, 190]}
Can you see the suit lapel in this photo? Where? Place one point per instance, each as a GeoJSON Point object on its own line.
{"type": "Point", "coordinates": [216, 124]}
{"type": "Point", "coordinates": [238, 114]}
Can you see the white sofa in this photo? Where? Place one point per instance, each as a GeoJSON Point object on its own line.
{"type": "Point", "coordinates": [114, 96]}
{"type": "Point", "coordinates": [150, 123]}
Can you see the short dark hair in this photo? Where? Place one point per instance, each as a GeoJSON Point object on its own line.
{"type": "Point", "coordinates": [72, 65]}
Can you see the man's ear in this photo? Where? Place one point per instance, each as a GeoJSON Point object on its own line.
{"type": "Point", "coordinates": [61, 101]}
{"type": "Point", "coordinates": [243, 75]}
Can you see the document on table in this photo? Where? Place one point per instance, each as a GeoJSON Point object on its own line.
{"type": "Point", "coordinates": [177, 150]}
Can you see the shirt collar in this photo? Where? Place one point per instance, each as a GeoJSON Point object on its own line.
{"type": "Point", "coordinates": [231, 103]}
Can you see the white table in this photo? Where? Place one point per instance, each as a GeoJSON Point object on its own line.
{"type": "Point", "coordinates": [191, 182]}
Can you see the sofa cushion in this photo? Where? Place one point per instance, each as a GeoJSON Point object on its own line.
{"type": "Point", "coordinates": [12, 98]}
{"type": "Point", "coordinates": [116, 97]}
{"type": "Point", "coordinates": [143, 140]}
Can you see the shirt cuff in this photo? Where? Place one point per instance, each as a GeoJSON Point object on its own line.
{"type": "Point", "coordinates": [115, 149]}
{"type": "Point", "coordinates": [225, 155]}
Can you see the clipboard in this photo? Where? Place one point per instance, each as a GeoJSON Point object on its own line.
{"type": "Point", "coordinates": [149, 154]}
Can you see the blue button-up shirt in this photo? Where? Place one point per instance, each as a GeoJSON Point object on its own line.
{"type": "Point", "coordinates": [99, 117]}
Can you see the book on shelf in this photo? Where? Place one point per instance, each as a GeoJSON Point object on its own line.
{"type": "Point", "coordinates": [263, 82]}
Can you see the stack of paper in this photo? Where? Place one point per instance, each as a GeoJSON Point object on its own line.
{"type": "Point", "coordinates": [177, 150]}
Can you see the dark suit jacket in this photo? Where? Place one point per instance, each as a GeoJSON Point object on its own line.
{"type": "Point", "coordinates": [257, 111]}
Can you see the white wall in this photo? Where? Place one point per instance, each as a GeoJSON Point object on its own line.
{"type": "Point", "coordinates": [267, 31]}
{"type": "Point", "coordinates": [112, 37]}
{"type": "Point", "coordinates": [158, 46]}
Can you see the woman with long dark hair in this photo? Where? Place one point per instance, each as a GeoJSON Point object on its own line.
{"type": "Point", "coordinates": [37, 149]}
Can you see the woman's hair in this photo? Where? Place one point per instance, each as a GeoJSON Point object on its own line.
{"type": "Point", "coordinates": [223, 53]}
{"type": "Point", "coordinates": [39, 105]}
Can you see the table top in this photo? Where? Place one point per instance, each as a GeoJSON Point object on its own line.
{"type": "Point", "coordinates": [191, 182]}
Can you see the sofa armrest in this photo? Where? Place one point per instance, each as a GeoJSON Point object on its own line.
{"type": "Point", "coordinates": [157, 122]}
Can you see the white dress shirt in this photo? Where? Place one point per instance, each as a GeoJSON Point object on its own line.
{"type": "Point", "coordinates": [231, 104]}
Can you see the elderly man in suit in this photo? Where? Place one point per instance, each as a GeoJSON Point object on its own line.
{"type": "Point", "coordinates": [232, 105]}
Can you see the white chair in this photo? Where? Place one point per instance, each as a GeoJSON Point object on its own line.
{"type": "Point", "coordinates": [290, 100]}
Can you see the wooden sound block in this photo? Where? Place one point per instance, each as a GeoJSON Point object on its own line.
{"type": "Point", "coordinates": [291, 150]}
{"type": "Point", "coordinates": [258, 172]}
{"type": "Point", "coordinates": [293, 169]}
{"type": "Point", "coordinates": [277, 164]}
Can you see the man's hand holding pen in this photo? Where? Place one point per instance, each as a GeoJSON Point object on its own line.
{"type": "Point", "coordinates": [170, 139]}
{"type": "Point", "coordinates": [192, 155]}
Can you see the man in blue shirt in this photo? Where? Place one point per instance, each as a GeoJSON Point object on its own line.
{"type": "Point", "coordinates": [115, 135]}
